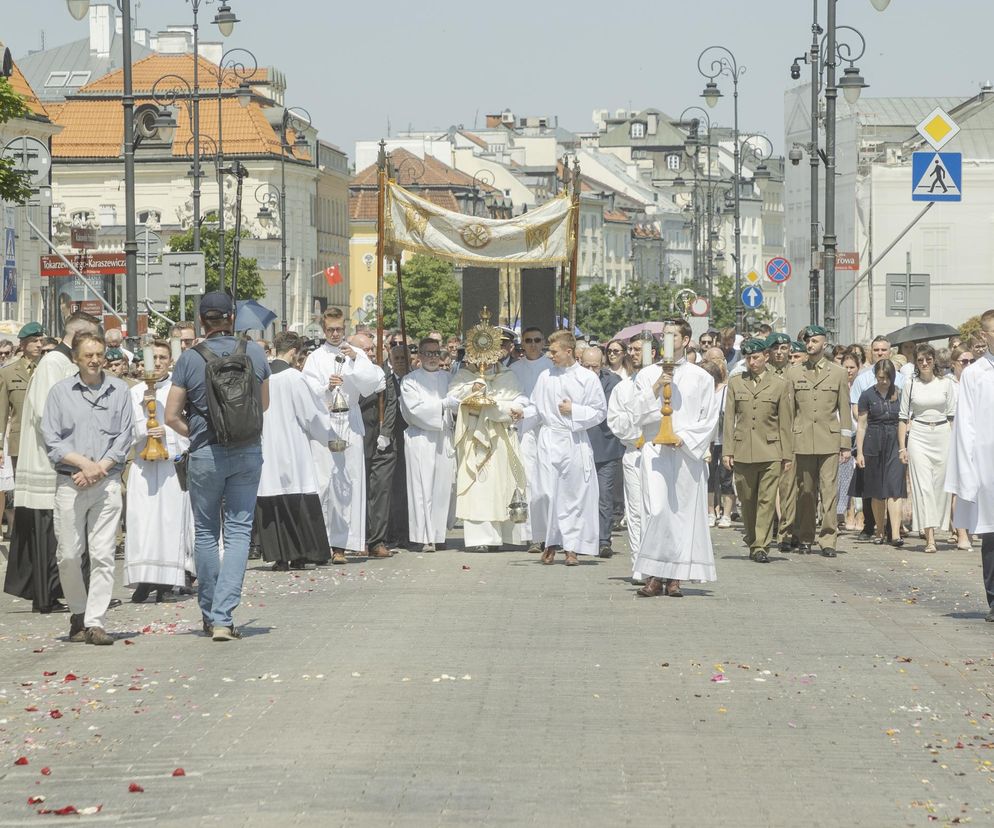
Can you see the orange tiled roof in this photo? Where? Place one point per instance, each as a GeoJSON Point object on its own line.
{"type": "Point", "coordinates": [616, 215]}
{"type": "Point", "coordinates": [412, 171]}
{"type": "Point", "coordinates": [21, 86]}
{"type": "Point", "coordinates": [362, 203]}
{"type": "Point", "coordinates": [476, 139]}
{"type": "Point", "coordinates": [145, 72]}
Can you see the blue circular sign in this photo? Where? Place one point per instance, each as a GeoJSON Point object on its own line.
{"type": "Point", "coordinates": [752, 297]}
{"type": "Point", "coordinates": [778, 270]}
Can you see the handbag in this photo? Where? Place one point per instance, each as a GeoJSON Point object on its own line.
{"type": "Point", "coordinates": [182, 465]}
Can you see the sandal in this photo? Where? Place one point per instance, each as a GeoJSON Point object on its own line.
{"type": "Point", "coordinates": [931, 548]}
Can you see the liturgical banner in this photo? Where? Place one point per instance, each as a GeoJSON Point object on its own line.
{"type": "Point", "coordinates": [538, 237]}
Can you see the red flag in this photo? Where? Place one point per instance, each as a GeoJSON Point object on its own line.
{"type": "Point", "coordinates": [332, 275]}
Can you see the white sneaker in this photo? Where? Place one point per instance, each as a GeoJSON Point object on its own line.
{"type": "Point", "coordinates": [710, 518]}
{"type": "Point", "coordinates": [725, 522]}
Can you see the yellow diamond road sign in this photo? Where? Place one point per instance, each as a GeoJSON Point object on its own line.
{"type": "Point", "coordinates": [938, 129]}
{"type": "Point", "coordinates": [752, 277]}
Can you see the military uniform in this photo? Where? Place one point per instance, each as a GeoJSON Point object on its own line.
{"type": "Point", "coordinates": [822, 427]}
{"type": "Point", "coordinates": [14, 379]}
{"type": "Point", "coordinates": [787, 487]}
{"type": "Point", "coordinates": [757, 436]}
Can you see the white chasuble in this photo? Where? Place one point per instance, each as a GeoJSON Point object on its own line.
{"type": "Point", "coordinates": [676, 542]}
{"type": "Point", "coordinates": [527, 371]}
{"type": "Point", "coordinates": [429, 454]}
{"type": "Point", "coordinates": [567, 493]}
{"type": "Point", "coordinates": [158, 546]}
{"type": "Point", "coordinates": [970, 471]}
{"type": "Point", "coordinates": [341, 475]}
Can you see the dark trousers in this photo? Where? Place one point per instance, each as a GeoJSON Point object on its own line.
{"type": "Point", "coordinates": [397, 525]}
{"type": "Point", "coordinates": [607, 473]}
{"type": "Point", "coordinates": [379, 494]}
{"type": "Point", "coordinates": [987, 557]}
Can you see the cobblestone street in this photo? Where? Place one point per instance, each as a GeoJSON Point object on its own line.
{"type": "Point", "coordinates": [457, 688]}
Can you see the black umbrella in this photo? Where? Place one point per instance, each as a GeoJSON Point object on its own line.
{"type": "Point", "coordinates": [921, 332]}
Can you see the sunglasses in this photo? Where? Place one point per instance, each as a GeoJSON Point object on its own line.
{"type": "Point", "coordinates": [531, 341]}
{"type": "Point", "coordinates": [432, 354]}
{"type": "Point", "coordinates": [963, 361]}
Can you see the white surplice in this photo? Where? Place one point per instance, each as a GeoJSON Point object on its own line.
{"type": "Point", "coordinates": [970, 471]}
{"type": "Point", "coordinates": [622, 421]}
{"type": "Point", "coordinates": [158, 546]}
{"type": "Point", "coordinates": [430, 457]}
{"type": "Point", "coordinates": [566, 484]}
{"type": "Point", "coordinates": [489, 469]}
{"type": "Point", "coordinates": [341, 475]}
{"type": "Point", "coordinates": [295, 417]}
{"type": "Point", "coordinates": [676, 542]}
{"type": "Point", "coordinates": [527, 371]}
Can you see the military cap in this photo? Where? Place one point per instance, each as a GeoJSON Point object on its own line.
{"type": "Point", "coordinates": [31, 329]}
{"type": "Point", "coordinates": [114, 354]}
{"type": "Point", "coordinates": [507, 334]}
{"type": "Point", "coordinates": [814, 330]}
{"type": "Point", "coordinates": [775, 339]}
{"type": "Point", "coordinates": [753, 346]}
{"type": "Point", "coordinates": [797, 348]}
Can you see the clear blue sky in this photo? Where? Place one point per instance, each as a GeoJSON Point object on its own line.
{"type": "Point", "coordinates": [355, 65]}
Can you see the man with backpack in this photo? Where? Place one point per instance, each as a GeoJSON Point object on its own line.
{"type": "Point", "coordinates": [220, 390]}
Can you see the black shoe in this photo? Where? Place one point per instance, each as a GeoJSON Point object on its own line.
{"type": "Point", "coordinates": [165, 596]}
{"type": "Point", "coordinates": [77, 632]}
{"type": "Point", "coordinates": [760, 556]}
{"type": "Point", "coordinates": [114, 602]}
{"type": "Point", "coordinates": [299, 563]}
{"type": "Point", "coordinates": [281, 566]}
{"type": "Point", "coordinates": [898, 543]}
{"type": "Point", "coordinates": [254, 552]}
{"type": "Point", "coordinates": [606, 552]}
{"type": "Point", "coordinates": [477, 549]}
{"type": "Point", "coordinates": [804, 549]}
{"type": "Point", "coordinates": [140, 595]}
{"type": "Point", "coordinates": [990, 616]}
{"type": "Point", "coordinates": [827, 552]}
{"type": "Point", "coordinates": [208, 628]}
{"type": "Point", "coordinates": [785, 546]}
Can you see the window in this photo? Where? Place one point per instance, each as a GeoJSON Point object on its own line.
{"type": "Point", "coordinates": [57, 79]}
{"type": "Point", "coordinates": [638, 129]}
{"type": "Point", "coordinates": [673, 161]}
{"type": "Point", "coordinates": [77, 79]}
{"type": "Point", "coordinates": [80, 218]}
{"type": "Point", "coordinates": [639, 154]}
{"type": "Point", "coordinates": [145, 215]}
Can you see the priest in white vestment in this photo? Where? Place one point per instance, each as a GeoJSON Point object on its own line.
{"type": "Point", "coordinates": [970, 471]}
{"type": "Point", "coordinates": [527, 370]}
{"type": "Point", "coordinates": [158, 546]}
{"type": "Point", "coordinates": [569, 400]}
{"type": "Point", "coordinates": [622, 421]}
{"type": "Point", "coordinates": [675, 544]}
{"type": "Point", "coordinates": [336, 368]}
{"type": "Point", "coordinates": [428, 411]}
{"type": "Point", "coordinates": [32, 573]}
{"type": "Point", "coordinates": [489, 470]}
{"type": "Point", "coordinates": [289, 519]}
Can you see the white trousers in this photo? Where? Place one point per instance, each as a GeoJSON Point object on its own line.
{"type": "Point", "coordinates": [535, 527]}
{"type": "Point", "coordinates": [87, 518]}
{"type": "Point", "coordinates": [632, 476]}
{"type": "Point", "coordinates": [430, 472]}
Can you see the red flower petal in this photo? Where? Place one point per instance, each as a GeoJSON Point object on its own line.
{"type": "Point", "coordinates": [66, 811]}
{"type": "Point", "coordinates": [464, 566]}
{"type": "Point", "coordinates": [52, 673]}
{"type": "Point", "coordinates": [134, 787]}
{"type": "Point", "coordinates": [69, 677]}
{"type": "Point", "coordinates": [128, 641]}
{"type": "Point", "coordinates": [56, 714]}
{"type": "Point", "coordinates": [21, 760]}
{"type": "Point", "coordinates": [179, 772]}
{"type": "Point", "coordinates": [31, 709]}
{"type": "Point", "coordinates": [35, 800]}
{"type": "Point", "coordinates": [46, 771]}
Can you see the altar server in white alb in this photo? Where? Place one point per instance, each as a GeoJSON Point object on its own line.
{"type": "Point", "coordinates": [569, 400]}
{"type": "Point", "coordinates": [970, 472]}
{"type": "Point", "coordinates": [428, 411]}
{"type": "Point", "coordinates": [527, 370]}
{"type": "Point", "coordinates": [622, 421]}
{"type": "Point", "coordinates": [158, 546]}
{"type": "Point", "coordinates": [675, 544]}
{"type": "Point", "coordinates": [289, 519]}
{"type": "Point", "coordinates": [337, 371]}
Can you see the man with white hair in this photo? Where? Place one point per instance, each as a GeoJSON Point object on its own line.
{"type": "Point", "coordinates": [115, 339]}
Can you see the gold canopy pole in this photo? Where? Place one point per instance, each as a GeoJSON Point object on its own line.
{"type": "Point", "coordinates": [575, 252]}
{"type": "Point", "coordinates": [381, 176]}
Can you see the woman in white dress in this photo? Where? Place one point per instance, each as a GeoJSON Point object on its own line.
{"type": "Point", "coordinates": [928, 404]}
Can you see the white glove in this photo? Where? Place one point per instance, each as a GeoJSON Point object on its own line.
{"type": "Point", "coordinates": [382, 443]}
{"type": "Point", "coordinates": [451, 403]}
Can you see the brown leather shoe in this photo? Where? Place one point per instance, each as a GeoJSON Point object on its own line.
{"type": "Point", "coordinates": [548, 556]}
{"type": "Point", "coordinates": [97, 635]}
{"type": "Point", "coordinates": [534, 547]}
{"type": "Point", "coordinates": [379, 551]}
{"type": "Point", "coordinates": [338, 556]}
{"type": "Point", "coordinates": [653, 587]}
{"type": "Point", "coordinates": [571, 559]}
{"type": "Point", "coordinates": [673, 588]}
{"type": "Point", "coordinates": [77, 632]}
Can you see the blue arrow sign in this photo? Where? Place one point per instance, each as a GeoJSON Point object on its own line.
{"type": "Point", "coordinates": [936, 176]}
{"type": "Point", "coordinates": [752, 297]}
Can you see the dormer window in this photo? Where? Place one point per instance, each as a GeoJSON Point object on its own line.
{"type": "Point", "coordinates": [638, 129]}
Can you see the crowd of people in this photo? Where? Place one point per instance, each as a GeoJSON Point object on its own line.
{"type": "Point", "coordinates": [315, 453]}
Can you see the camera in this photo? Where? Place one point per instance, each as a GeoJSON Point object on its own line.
{"type": "Point", "coordinates": [795, 70]}
{"type": "Point", "coordinates": [795, 155]}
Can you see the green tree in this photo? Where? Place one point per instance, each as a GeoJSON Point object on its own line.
{"type": "Point", "coordinates": [600, 312]}
{"type": "Point", "coordinates": [250, 284]}
{"type": "Point", "coordinates": [971, 327]}
{"type": "Point", "coordinates": [13, 186]}
{"type": "Point", "coordinates": [431, 297]}
{"type": "Point", "coordinates": [725, 302]}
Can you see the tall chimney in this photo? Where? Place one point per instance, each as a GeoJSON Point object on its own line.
{"type": "Point", "coordinates": [101, 30]}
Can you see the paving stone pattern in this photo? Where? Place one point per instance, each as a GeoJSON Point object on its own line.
{"type": "Point", "coordinates": [466, 688]}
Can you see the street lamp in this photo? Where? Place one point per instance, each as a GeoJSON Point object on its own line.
{"type": "Point", "coordinates": [225, 19]}
{"type": "Point", "coordinates": [298, 119]}
{"type": "Point", "coordinates": [692, 148]}
{"type": "Point", "coordinates": [723, 62]}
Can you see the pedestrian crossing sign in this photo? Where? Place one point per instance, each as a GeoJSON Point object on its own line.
{"type": "Point", "coordinates": [936, 176]}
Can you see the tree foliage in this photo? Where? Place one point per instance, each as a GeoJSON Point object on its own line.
{"type": "Point", "coordinates": [431, 297]}
{"type": "Point", "coordinates": [13, 184]}
{"type": "Point", "coordinates": [250, 284]}
{"type": "Point", "coordinates": [971, 327]}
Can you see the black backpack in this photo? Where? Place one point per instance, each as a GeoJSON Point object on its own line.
{"type": "Point", "coordinates": [234, 395]}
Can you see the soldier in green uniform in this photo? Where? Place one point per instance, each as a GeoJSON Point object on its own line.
{"type": "Point", "coordinates": [779, 347]}
{"type": "Point", "coordinates": [757, 443]}
{"type": "Point", "coordinates": [822, 437]}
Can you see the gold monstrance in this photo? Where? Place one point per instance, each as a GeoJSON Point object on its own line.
{"type": "Point", "coordinates": [483, 350]}
{"type": "Point", "coordinates": [154, 449]}
{"type": "Point", "coordinates": [666, 436]}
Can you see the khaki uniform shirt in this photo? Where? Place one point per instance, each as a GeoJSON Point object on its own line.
{"type": "Point", "coordinates": [758, 418]}
{"type": "Point", "coordinates": [14, 379]}
{"type": "Point", "coordinates": [822, 416]}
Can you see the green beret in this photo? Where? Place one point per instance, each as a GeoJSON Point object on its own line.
{"type": "Point", "coordinates": [114, 354]}
{"type": "Point", "coordinates": [775, 339]}
{"type": "Point", "coordinates": [31, 329]}
{"type": "Point", "coordinates": [814, 330]}
{"type": "Point", "coordinates": [753, 346]}
{"type": "Point", "coordinates": [797, 348]}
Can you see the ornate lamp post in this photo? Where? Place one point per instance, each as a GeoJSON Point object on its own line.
{"type": "Point", "coordinates": [297, 119]}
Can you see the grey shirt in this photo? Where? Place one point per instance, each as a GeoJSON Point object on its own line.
{"type": "Point", "coordinates": [95, 421]}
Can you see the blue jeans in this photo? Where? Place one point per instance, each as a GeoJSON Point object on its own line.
{"type": "Point", "coordinates": [223, 483]}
